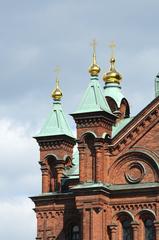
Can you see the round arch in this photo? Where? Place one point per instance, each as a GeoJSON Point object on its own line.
{"type": "Point", "coordinates": [51, 155]}
{"type": "Point", "coordinates": [120, 214]}
{"type": "Point", "coordinates": [148, 213]}
{"type": "Point", "coordinates": [83, 136]}
{"type": "Point", "coordinates": [143, 155]}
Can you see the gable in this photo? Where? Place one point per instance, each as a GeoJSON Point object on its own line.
{"type": "Point", "coordinates": [138, 129]}
{"type": "Point", "coordinates": [150, 140]}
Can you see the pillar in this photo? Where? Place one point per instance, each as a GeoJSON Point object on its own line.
{"type": "Point", "coordinates": [82, 170]}
{"type": "Point", "coordinates": [59, 170]}
{"type": "Point", "coordinates": [113, 231]}
{"type": "Point", "coordinates": [135, 226]}
{"type": "Point", "coordinates": [45, 180]}
{"type": "Point", "coordinates": [98, 162]}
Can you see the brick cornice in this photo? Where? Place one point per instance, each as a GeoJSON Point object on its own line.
{"type": "Point", "coordinates": [55, 140]}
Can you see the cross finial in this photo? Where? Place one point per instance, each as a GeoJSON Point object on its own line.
{"type": "Point", "coordinates": [112, 47]}
{"type": "Point", "coordinates": [94, 44]}
{"type": "Point", "coordinates": [57, 70]}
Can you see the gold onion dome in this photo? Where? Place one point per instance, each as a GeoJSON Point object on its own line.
{"type": "Point", "coordinates": [57, 93]}
{"type": "Point", "coordinates": [112, 76]}
{"type": "Point", "coordinates": [94, 69]}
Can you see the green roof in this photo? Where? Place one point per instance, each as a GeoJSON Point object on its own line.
{"type": "Point", "coordinates": [56, 124]}
{"type": "Point", "coordinates": [113, 90]}
{"type": "Point", "coordinates": [93, 99]}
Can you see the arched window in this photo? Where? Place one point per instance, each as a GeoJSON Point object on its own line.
{"type": "Point", "coordinates": [127, 231]}
{"type": "Point", "coordinates": [149, 229]}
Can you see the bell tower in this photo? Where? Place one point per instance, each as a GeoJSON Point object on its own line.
{"type": "Point", "coordinates": [94, 121]}
{"type": "Point", "coordinates": [56, 144]}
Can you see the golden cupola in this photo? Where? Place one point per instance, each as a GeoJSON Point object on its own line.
{"type": "Point", "coordinates": [57, 93]}
{"type": "Point", "coordinates": [94, 69]}
{"type": "Point", "coordinates": [112, 76]}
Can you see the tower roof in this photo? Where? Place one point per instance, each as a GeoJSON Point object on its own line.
{"type": "Point", "coordinates": [93, 99]}
{"type": "Point", "coordinates": [56, 123]}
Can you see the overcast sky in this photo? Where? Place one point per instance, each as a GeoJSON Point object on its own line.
{"type": "Point", "coordinates": [35, 36]}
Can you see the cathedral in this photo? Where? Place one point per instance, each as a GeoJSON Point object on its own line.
{"type": "Point", "coordinates": [103, 184]}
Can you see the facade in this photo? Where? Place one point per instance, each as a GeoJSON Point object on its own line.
{"type": "Point", "coordinates": [103, 185]}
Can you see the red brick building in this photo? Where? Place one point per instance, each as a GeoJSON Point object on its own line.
{"type": "Point", "coordinates": [106, 188]}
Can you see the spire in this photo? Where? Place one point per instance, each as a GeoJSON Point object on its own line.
{"type": "Point", "coordinates": [112, 76]}
{"type": "Point", "coordinates": [57, 93]}
{"type": "Point", "coordinates": [94, 69]}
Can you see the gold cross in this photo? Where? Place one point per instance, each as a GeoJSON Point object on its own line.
{"type": "Point", "coordinates": [94, 44]}
{"type": "Point", "coordinates": [112, 47]}
{"type": "Point", "coordinates": [57, 70]}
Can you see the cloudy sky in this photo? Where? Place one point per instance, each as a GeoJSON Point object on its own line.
{"type": "Point", "coordinates": [35, 36]}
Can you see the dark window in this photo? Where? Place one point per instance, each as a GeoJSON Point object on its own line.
{"type": "Point", "coordinates": [75, 232]}
{"type": "Point", "coordinates": [149, 230]}
{"type": "Point", "coordinates": [127, 231]}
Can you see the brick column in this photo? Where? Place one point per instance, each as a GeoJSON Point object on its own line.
{"type": "Point", "coordinates": [82, 170]}
{"type": "Point", "coordinates": [135, 226]}
{"type": "Point", "coordinates": [59, 170]}
{"type": "Point", "coordinates": [156, 225]}
{"type": "Point", "coordinates": [113, 231]}
{"type": "Point", "coordinates": [106, 162]}
{"type": "Point", "coordinates": [45, 185]}
{"type": "Point", "coordinates": [98, 162]}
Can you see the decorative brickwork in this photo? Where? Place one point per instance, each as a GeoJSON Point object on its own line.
{"type": "Point", "coordinates": [115, 195]}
